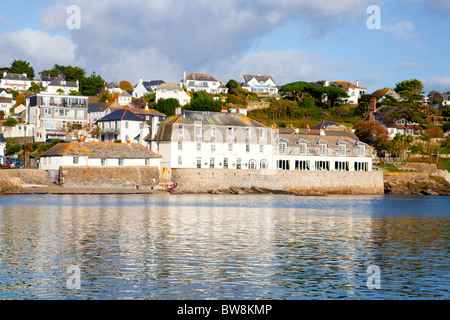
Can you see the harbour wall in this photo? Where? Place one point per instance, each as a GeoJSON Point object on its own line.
{"type": "Point", "coordinates": [12, 181]}
{"type": "Point", "coordinates": [123, 177]}
{"type": "Point", "coordinates": [301, 182]}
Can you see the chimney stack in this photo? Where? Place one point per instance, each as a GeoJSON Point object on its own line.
{"type": "Point", "coordinates": [373, 109]}
{"type": "Point", "coordinates": [5, 73]}
{"type": "Point", "coordinates": [224, 109]}
{"type": "Point", "coordinates": [373, 104]}
{"type": "Point", "coordinates": [177, 112]}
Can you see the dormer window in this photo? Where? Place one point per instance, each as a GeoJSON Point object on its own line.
{"type": "Point", "coordinates": [342, 149]}
{"type": "Point", "coordinates": [322, 149]}
{"type": "Point", "coordinates": [361, 151]}
{"type": "Point", "coordinates": [282, 148]}
{"type": "Point", "coordinates": [303, 148]}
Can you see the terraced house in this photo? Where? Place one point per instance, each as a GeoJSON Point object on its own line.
{"type": "Point", "coordinates": [322, 151]}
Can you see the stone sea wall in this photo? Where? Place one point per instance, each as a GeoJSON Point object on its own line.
{"type": "Point", "coordinates": [124, 177]}
{"type": "Point", "coordinates": [12, 181]}
{"type": "Point", "coordinates": [299, 182]}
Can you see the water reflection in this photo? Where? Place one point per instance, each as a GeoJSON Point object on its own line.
{"type": "Point", "coordinates": [221, 247]}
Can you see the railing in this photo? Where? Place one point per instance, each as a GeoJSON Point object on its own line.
{"type": "Point", "coordinates": [110, 131]}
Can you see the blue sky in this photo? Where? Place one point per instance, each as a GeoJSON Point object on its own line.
{"type": "Point", "coordinates": [292, 40]}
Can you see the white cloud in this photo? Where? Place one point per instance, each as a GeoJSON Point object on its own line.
{"type": "Point", "coordinates": [157, 39]}
{"type": "Point", "coordinates": [40, 48]}
{"type": "Point", "coordinates": [284, 66]}
{"type": "Point", "coordinates": [402, 30]}
{"type": "Point", "coordinates": [438, 84]}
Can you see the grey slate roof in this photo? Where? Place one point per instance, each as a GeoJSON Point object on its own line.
{"type": "Point", "coordinates": [200, 77]}
{"type": "Point", "coordinates": [97, 107]}
{"type": "Point", "coordinates": [112, 85]}
{"type": "Point", "coordinates": [57, 82]}
{"type": "Point", "coordinates": [218, 119]}
{"type": "Point", "coordinates": [258, 78]}
{"type": "Point", "coordinates": [121, 115]}
{"type": "Point", "coordinates": [169, 86]}
{"type": "Point", "coordinates": [100, 150]}
{"type": "Point", "coordinates": [15, 76]}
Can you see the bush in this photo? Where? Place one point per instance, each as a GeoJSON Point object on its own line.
{"type": "Point", "coordinates": [446, 127]}
{"type": "Point", "coordinates": [10, 122]}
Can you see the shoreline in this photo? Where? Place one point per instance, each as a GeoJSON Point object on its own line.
{"type": "Point", "coordinates": [58, 190]}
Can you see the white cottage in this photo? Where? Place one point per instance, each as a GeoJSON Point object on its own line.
{"type": "Point", "coordinates": [145, 87]}
{"type": "Point", "coordinates": [173, 91]}
{"type": "Point", "coordinates": [13, 81]}
{"type": "Point", "coordinates": [122, 125]}
{"type": "Point", "coordinates": [196, 82]}
{"type": "Point", "coordinates": [98, 154]}
{"type": "Point", "coordinates": [260, 84]}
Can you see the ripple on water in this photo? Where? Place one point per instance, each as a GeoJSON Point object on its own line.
{"type": "Point", "coordinates": [222, 247]}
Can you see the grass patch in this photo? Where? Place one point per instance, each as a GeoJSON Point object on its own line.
{"type": "Point", "coordinates": [446, 164]}
{"type": "Point", "coordinates": [388, 167]}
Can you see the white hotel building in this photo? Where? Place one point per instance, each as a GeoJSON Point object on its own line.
{"type": "Point", "coordinates": [233, 141]}
{"type": "Point", "coordinates": [214, 140]}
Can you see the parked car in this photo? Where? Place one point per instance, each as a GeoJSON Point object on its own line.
{"type": "Point", "coordinates": [14, 163]}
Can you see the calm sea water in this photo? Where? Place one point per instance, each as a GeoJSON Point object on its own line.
{"type": "Point", "coordinates": [224, 247]}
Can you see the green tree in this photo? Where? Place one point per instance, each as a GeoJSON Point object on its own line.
{"type": "Point", "coordinates": [10, 122]}
{"type": "Point", "coordinates": [12, 146]}
{"type": "Point", "coordinates": [21, 66]}
{"type": "Point", "coordinates": [69, 73]}
{"type": "Point", "coordinates": [202, 101]}
{"type": "Point", "coordinates": [436, 98]}
{"type": "Point", "coordinates": [92, 85]}
{"type": "Point", "coordinates": [333, 95]}
{"type": "Point", "coordinates": [36, 88]}
{"type": "Point", "coordinates": [233, 86]}
{"type": "Point", "coordinates": [167, 106]}
{"type": "Point", "coordinates": [296, 90]}
{"type": "Point", "coordinates": [446, 127]}
{"type": "Point", "coordinates": [410, 89]}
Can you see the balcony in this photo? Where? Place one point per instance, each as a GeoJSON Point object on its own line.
{"type": "Point", "coordinates": [110, 131]}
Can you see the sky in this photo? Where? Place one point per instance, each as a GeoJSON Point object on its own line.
{"type": "Point", "coordinates": [290, 40]}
